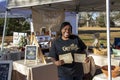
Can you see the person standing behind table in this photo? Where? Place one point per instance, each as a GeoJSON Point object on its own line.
{"type": "Point", "coordinates": [67, 43]}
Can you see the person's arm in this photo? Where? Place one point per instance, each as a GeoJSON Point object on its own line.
{"type": "Point", "coordinates": [54, 56]}
{"type": "Point", "coordinates": [58, 62]}
{"type": "Point", "coordinates": [87, 58]}
{"type": "Point", "coordinates": [84, 48]}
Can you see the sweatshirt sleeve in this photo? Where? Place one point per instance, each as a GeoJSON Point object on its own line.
{"type": "Point", "coordinates": [81, 44]}
{"type": "Point", "coordinates": [53, 52]}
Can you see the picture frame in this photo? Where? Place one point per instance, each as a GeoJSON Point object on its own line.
{"type": "Point", "coordinates": [67, 58]}
{"type": "Point", "coordinates": [79, 57]}
{"type": "Point", "coordinates": [31, 52]}
{"type": "Point", "coordinates": [5, 70]}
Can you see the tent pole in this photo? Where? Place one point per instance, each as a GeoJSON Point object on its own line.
{"type": "Point", "coordinates": [108, 38]}
{"type": "Point", "coordinates": [32, 30]}
{"type": "Point", "coordinates": [77, 20]}
{"type": "Point", "coordinates": [3, 36]}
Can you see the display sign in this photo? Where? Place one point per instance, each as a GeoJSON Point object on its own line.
{"type": "Point", "coordinates": [80, 58]}
{"type": "Point", "coordinates": [67, 58]}
{"type": "Point", "coordinates": [17, 36]}
{"type": "Point", "coordinates": [5, 70]}
{"type": "Point", "coordinates": [31, 53]}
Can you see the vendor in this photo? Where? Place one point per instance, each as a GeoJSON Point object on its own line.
{"type": "Point", "coordinates": [67, 43]}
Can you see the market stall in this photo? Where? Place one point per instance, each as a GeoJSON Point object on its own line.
{"type": "Point", "coordinates": [71, 5]}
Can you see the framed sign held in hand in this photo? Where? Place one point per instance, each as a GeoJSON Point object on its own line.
{"type": "Point", "coordinates": [67, 58]}
{"type": "Point", "coordinates": [79, 57]}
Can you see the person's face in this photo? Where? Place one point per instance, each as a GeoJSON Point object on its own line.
{"type": "Point", "coordinates": [66, 31]}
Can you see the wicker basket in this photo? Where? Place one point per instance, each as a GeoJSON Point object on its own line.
{"type": "Point", "coordinates": [100, 51]}
{"type": "Point", "coordinates": [114, 69]}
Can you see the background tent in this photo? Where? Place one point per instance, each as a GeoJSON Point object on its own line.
{"type": "Point", "coordinates": [68, 5]}
{"type": "Point", "coordinates": [13, 13]}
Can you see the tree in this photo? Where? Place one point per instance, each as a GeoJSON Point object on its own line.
{"type": "Point", "coordinates": [101, 20]}
{"type": "Point", "coordinates": [14, 25]}
{"type": "Point", "coordinates": [1, 25]}
{"type": "Point", "coordinates": [115, 15]}
{"type": "Point", "coordinates": [86, 19]}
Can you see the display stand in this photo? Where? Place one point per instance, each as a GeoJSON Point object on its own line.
{"type": "Point", "coordinates": [40, 55]}
{"type": "Point", "coordinates": [31, 52]}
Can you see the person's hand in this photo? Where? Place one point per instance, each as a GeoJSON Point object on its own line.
{"type": "Point", "coordinates": [87, 60]}
{"type": "Point", "coordinates": [59, 62]}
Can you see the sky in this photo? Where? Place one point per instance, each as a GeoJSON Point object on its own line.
{"type": "Point", "coordinates": [95, 15]}
{"type": "Point", "coordinates": [2, 0]}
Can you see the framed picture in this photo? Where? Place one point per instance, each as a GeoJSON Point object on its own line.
{"type": "Point", "coordinates": [5, 70]}
{"type": "Point", "coordinates": [79, 57]}
{"type": "Point", "coordinates": [31, 53]}
{"type": "Point", "coordinates": [66, 57]}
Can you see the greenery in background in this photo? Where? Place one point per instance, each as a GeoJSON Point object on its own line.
{"type": "Point", "coordinates": [97, 19]}
{"type": "Point", "coordinates": [1, 26]}
{"type": "Point", "coordinates": [85, 19]}
{"type": "Point", "coordinates": [22, 42]}
{"type": "Point", "coordinates": [1, 21]}
{"type": "Point", "coordinates": [101, 20]}
{"type": "Point", "coordinates": [15, 25]}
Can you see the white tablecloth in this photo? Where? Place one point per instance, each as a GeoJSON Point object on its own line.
{"type": "Point", "coordinates": [103, 77]}
{"type": "Point", "coordinates": [103, 60]}
{"type": "Point", "coordinates": [34, 71]}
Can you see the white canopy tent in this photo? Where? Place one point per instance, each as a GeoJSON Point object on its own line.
{"type": "Point", "coordinates": [11, 13]}
{"type": "Point", "coordinates": [75, 6]}
{"type": "Point", "coordinates": [69, 5]}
